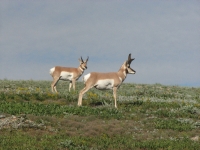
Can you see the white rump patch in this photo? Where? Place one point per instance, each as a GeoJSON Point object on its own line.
{"type": "Point", "coordinates": [66, 75]}
{"type": "Point", "coordinates": [106, 84]}
{"type": "Point", "coordinates": [52, 70]}
{"type": "Point", "coordinates": [85, 78]}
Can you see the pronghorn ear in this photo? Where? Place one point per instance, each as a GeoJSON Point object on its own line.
{"type": "Point", "coordinates": [80, 61]}
{"type": "Point", "coordinates": [126, 63]}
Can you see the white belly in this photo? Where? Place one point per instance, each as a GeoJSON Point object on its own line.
{"type": "Point", "coordinates": [106, 84]}
{"type": "Point", "coordinates": [66, 76]}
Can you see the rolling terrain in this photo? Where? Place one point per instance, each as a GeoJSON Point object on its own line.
{"type": "Point", "coordinates": [148, 117]}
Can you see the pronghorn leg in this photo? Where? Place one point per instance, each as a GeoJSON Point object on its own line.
{"type": "Point", "coordinates": [52, 90]}
{"type": "Point", "coordinates": [85, 89]}
{"type": "Point", "coordinates": [53, 84]}
{"type": "Point", "coordinates": [115, 95]}
{"type": "Point", "coordinates": [73, 83]}
{"type": "Point", "coordinates": [70, 85]}
{"type": "Point", "coordinates": [55, 89]}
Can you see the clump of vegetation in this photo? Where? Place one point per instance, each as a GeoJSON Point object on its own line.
{"type": "Point", "coordinates": [148, 117]}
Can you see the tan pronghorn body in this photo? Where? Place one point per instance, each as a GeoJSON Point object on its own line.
{"type": "Point", "coordinates": [106, 81]}
{"type": "Point", "coordinates": [67, 74]}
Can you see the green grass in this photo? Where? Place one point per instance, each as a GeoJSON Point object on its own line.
{"type": "Point", "coordinates": [52, 142]}
{"type": "Point", "coordinates": [148, 117]}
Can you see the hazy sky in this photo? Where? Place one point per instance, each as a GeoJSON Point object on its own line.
{"type": "Point", "coordinates": [163, 37]}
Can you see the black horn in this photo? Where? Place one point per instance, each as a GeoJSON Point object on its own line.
{"type": "Point", "coordinates": [87, 58]}
{"type": "Point", "coordinates": [130, 59]}
{"type": "Point", "coordinates": [82, 59]}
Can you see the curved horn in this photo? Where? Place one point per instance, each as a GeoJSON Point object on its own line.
{"type": "Point", "coordinates": [82, 59]}
{"type": "Point", "coordinates": [129, 56]}
{"type": "Point", "coordinates": [87, 59]}
{"type": "Point", "coordinates": [130, 59]}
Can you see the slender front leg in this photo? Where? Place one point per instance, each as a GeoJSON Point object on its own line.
{"type": "Point", "coordinates": [55, 89]}
{"type": "Point", "coordinates": [70, 85]}
{"type": "Point", "coordinates": [73, 83]}
{"type": "Point", "coordinates": [85, 89]}
{"type": "Point", "coordinates": [115, 95]}
{"type": "Point", "coordinates": [52, 87]}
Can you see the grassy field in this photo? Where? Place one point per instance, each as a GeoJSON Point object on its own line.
{"type": "Point", "coordinates": [148, 117]}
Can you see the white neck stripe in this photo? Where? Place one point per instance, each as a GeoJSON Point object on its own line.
{"type": "Point", "coordinates": [81, 69]}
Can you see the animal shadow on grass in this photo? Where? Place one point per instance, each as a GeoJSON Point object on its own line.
{"type": "Point", "coordinates": [133, 103]}
{"type": "Point", "coordinates": [96, 104]}
{"type": "Point", "coordinates": [124, 104]}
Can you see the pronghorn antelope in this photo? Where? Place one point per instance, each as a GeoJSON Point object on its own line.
{"type": "Point", "coordinates": [67, 74]}
{"type": "Point", "coordinates": [106, 81]}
